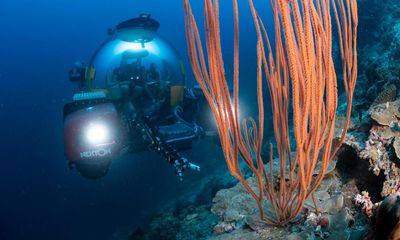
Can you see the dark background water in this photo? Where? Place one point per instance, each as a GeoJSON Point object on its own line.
{"type": "Point", "coordinates": [39, 197]}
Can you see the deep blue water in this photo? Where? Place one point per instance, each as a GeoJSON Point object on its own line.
{"type": "Point", "coordinates": [39, 197]}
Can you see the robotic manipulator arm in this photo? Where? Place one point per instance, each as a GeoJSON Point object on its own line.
{"type": "Point", "coordinates": [166, 150]}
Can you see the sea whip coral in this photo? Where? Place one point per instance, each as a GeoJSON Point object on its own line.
{"type": "Point", "coordinates": [300, 74]}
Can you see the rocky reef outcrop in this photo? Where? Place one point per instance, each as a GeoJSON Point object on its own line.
{"type": "Point", "coordinates": [380, 146]}
{"type": "Point", "coordinates": [233, 214]}
{"type": "Point", "coordinates": [376, 144]}
{"type": "Point", "coordinates": [239, 217]}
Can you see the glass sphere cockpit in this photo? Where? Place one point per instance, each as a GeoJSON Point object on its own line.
{"type": "Point", "coordinates": [137, 61]}
{"type": "Point", "coordinates": [119, 60]}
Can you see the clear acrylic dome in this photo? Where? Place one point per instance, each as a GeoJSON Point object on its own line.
{"type": "Point", "coordinates": [156, 59]}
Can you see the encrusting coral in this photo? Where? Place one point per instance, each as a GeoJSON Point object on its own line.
{"type": "Point", "coordinates": [364, 201]}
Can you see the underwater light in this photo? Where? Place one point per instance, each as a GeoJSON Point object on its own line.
{"type": "Point", "coordinates": [97, 134]}
{"type": "Point", "coordinates": [136, 47]}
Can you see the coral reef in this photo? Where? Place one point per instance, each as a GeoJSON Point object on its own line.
{"type": "Point", "coordinates": [382, 148]}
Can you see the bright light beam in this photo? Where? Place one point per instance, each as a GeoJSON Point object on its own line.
{"type": "Point", "coordinates": [97, 134]}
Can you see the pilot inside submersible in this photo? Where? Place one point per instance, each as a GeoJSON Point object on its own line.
{"type": "Point", "coordinates": [132, 97]}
